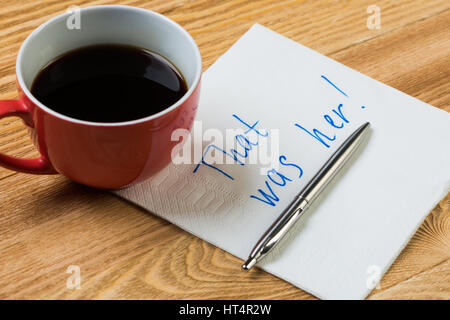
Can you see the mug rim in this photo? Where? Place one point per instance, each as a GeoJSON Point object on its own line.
{"type": "Point", "coordinates": [174, 106]}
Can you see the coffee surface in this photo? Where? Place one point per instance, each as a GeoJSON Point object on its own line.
{"type": "Point", "coordinates": [109, 83]}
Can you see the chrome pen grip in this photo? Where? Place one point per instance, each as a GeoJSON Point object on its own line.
{"type": "Point", "coordinates": [280, 226]}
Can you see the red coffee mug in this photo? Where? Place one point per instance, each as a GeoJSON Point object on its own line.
{"type": "Point", "coordinates": [102, 155]}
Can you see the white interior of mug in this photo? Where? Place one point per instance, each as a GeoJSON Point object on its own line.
{"type": "Point", "coordinates": [113, 24]}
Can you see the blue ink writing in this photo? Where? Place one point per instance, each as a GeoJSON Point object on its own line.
{"type": "Point", "coordinates": [334, 85]}
{"type": "Point", "coordinates": [202, 161]}
{"type": "Point", "coordinates": [242, 140]}
{"type": "Point", "coordinates": [331, 122]}
{"type": "Point", "coordinates": [283, 178]}
{"type": "Point", "coordinates": [318, 135]}
{"type": "Point", "coordinates": [268, 198]}
{"type": "Point", "coordinates": [277, 178]}
{"type": "Point", "coordinates": [300, 170]}
{"type": "Point", "coordinates": [322, 137]}
{"type": "Point", "coordinates": [340, 114]}
{"type": "Point", "coordinates": [250, 127]}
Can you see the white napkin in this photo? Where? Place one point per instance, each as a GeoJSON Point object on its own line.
{"type": "Point", "coordinates": [356, 229]}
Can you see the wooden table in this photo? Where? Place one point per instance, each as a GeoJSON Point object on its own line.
{"type": "Point", "coordinates": [48, 223]}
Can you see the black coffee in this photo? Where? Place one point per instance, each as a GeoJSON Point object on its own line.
{"type": "Point", "coordinates": [109, 83]}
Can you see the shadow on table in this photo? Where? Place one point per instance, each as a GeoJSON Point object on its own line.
{"type": "Point", "coordinates": [62, 196]}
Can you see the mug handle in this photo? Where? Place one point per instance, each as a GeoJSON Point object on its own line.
{"type": "Point", "coordinates": [40, 165]}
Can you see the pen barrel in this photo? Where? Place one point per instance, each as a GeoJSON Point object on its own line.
{"type": "Point", "coordinates": [333, 165]}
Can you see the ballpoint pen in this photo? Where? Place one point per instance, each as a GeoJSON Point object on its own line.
{"type": "Point", "coordinates": [306, 197]}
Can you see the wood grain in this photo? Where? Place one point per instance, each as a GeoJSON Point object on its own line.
{"type": "Point", "coordinates": [48, 223]}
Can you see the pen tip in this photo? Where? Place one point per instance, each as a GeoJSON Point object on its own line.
{"type": "Point", "coordinates": [249, 264]}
